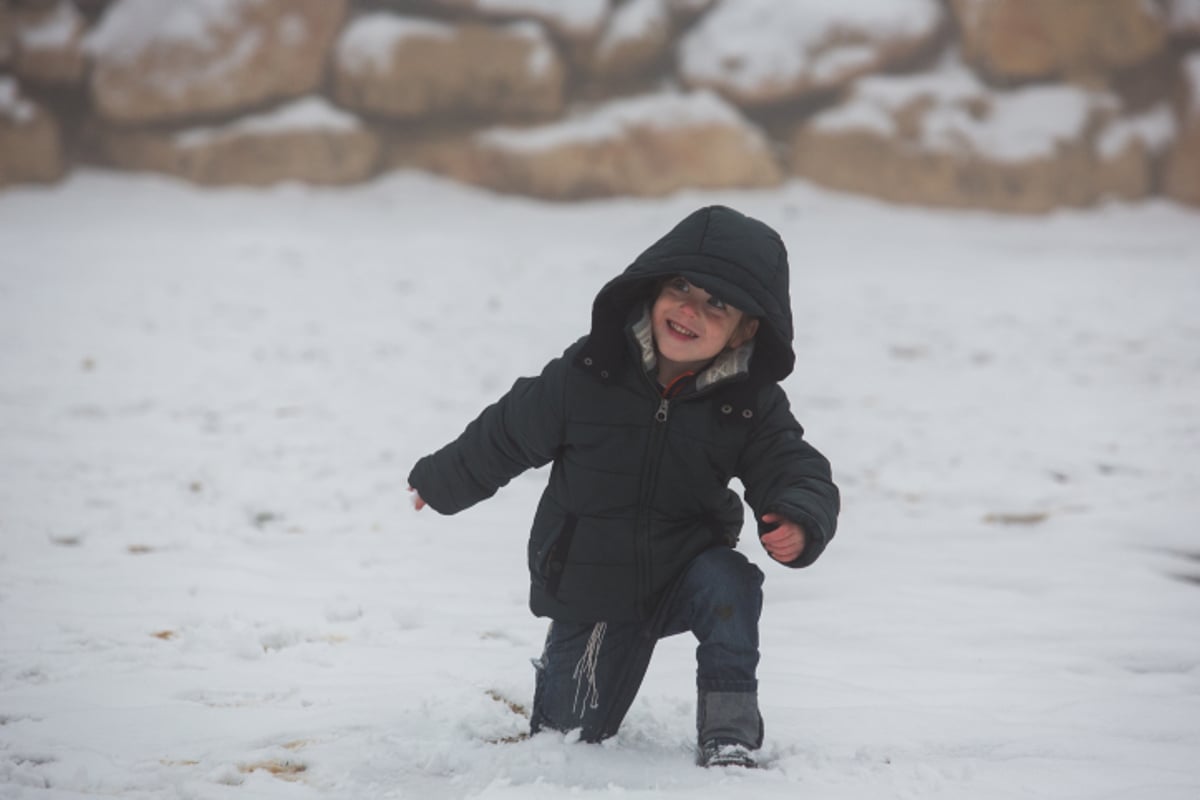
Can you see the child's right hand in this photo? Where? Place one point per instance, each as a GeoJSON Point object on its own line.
{"type": "Point", "coordinates": [417, 501]}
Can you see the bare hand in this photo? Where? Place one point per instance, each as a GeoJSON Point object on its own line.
{"type": "Point", "coordinates": [417, 501]}
{"type": "Point", "coordinates": [786, 542]}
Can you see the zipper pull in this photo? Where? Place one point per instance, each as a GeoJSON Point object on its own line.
{"type": "Point", "coordinates": [661, 414]}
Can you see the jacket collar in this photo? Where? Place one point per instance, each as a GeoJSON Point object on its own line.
{"type": "Point", "coordinates": [727, 366]}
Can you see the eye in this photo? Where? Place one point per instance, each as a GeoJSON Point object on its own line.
{"type": "Point", "coordinates": [680, 285]}
{"type": "Point", "coordinates": [717, 303]}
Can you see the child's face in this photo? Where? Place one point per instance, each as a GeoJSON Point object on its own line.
{"type": "Point", "coordinates": [691, 327]}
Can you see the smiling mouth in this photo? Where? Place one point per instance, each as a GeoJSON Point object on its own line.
{"type": "Point", "coordinates": [682, 331]}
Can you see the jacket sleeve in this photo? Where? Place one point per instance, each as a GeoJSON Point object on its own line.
{"type": "Point", "coordinates": [520, 431]}
{"type": "Point", "coordinates": [784, 474]}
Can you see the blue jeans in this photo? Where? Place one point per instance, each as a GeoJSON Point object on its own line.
{"type": "Point", "coordinates": [589, 673]}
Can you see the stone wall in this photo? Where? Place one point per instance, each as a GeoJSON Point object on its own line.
{"type": "Point", "coordinates": [1013, 105]}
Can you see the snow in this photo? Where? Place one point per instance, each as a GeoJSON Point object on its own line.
{"type": "Point", "coordinates": [615, 119]}
{"type": "Point", "coordinates": [1018, 124]}
{"type": "Point", "coordinates": [129, 28]}
{"type": "Point", "coordinates": [749, 43]}
{"type": "Point", "coordinates": [52, 30]}
{"type": "Point", "coordinates": [580, 17]}
{"type": "Point", "coordinates": [632, 22]}
{"type": "Point", "coordinates": [1155, 128]}
{"type": "Point", "coordinates": [542, 56]}
{"type": "Point", "coordinates": [212, 584]}
{"type": "Point", "coordinates": [306, 114]}
{"type": "Point", "coordinates": [13, 106]}
{"type": "Point", "coordinates": [369, 40]}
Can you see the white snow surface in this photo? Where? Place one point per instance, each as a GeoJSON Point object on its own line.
{"type": "Point", "coordinates": [749, 43]}
{"type": "Point", "coordinates": [617, 118]}
{"type": "Point", "coordinates": [210, 401]}
{"type": "Point", "coordinates": [313, 113]}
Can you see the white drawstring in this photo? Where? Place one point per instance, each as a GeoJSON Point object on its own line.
{"type": "Point", "coordinates": [586, 668]}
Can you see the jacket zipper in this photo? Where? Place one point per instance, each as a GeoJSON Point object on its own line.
{"type": "Point", "coordinates": [658, 436]}
{"type": "Point", "coordinates": [649, 480]}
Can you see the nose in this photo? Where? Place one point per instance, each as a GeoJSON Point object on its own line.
{"type": "Point", "coordinates": [691, 305]}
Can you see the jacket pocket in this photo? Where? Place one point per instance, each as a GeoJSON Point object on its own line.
{"type": "Point", "coordinates": [554, 560]}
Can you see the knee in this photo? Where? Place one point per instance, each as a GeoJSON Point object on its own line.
{"type": "Point", "coordinates": [727, 573]}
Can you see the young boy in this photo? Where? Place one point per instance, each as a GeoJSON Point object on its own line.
{"type": "Point", "coordinates": [674, 392]}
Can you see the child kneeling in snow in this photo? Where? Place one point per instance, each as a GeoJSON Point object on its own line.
{"type": "Point", "coordinates": [646, 419]}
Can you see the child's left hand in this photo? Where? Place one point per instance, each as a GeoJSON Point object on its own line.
{"type": "Point", "coordinates": [785, 543]}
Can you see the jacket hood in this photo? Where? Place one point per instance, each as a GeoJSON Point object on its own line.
{"type": "Point", "coordinates": [729, 255]}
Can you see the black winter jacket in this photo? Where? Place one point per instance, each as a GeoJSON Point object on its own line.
{"type": "Point", "coordinates": [639, 483]}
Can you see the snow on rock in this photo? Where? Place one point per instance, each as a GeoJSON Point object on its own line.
{"type": "Point", "coordinates": [49, 44]}
{"type": "Point", "coordinates": [944, 138]}
{"type": "Point", "coordinates": [369, 40]}
{"type": "Point", "coordinates": [647, 145]}
{"type": "Point", "coordinates": [406, 67]}
{"type": "Point", "coordinates": [1184, 17]}
{"type": "Point", "coordinates": [760, 52]}
{"type": "Point", "coordinates": [663, 110]}
{"type": "Point", "coordinates": [575, 19]}
{"type": "Point", "coordinates": [638, 33]}
{"type": "Point", "coordinates": [130, 29]}
{"type": "Point", "coordinates": [306, 140]}
{"type": "Point", "coordinates": [57, 28]}
{"type": "Point", "coordinates": [306, 114]}
{"type": "Point", "coordinates": [1154, 129]}
{"type": "Point", "coordinates": [158, 61]}
{"type": "Point", "coordinates": [13, 106]}
{"type": "Point", "coordinates": [961, 114]}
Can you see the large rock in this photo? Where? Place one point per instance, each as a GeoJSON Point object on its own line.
{"type": "Point", "coordinates": [764, 52]}
{"type": "Point", "coordinates": [49, 44]}
{"type": "Point", "coordinates": [643, 146]}
{"type": "Point", "coordinates": [945, 140]}
{"type": "Point", "coordinates": [405, 67]}
{"type": "Point", "coordinates": [1020, 40]}
{"type": "Point", "coordinates": [161, 61]}
{"type": "Point", "coordinates": [306, 140]}
{"type": "Point", "coordinates": [1181, 175]}
{"type": "Point", "coordinates": [30, 143]}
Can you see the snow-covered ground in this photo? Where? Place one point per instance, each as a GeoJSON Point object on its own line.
{"type": "Point", "coordinates": [212, 584]}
